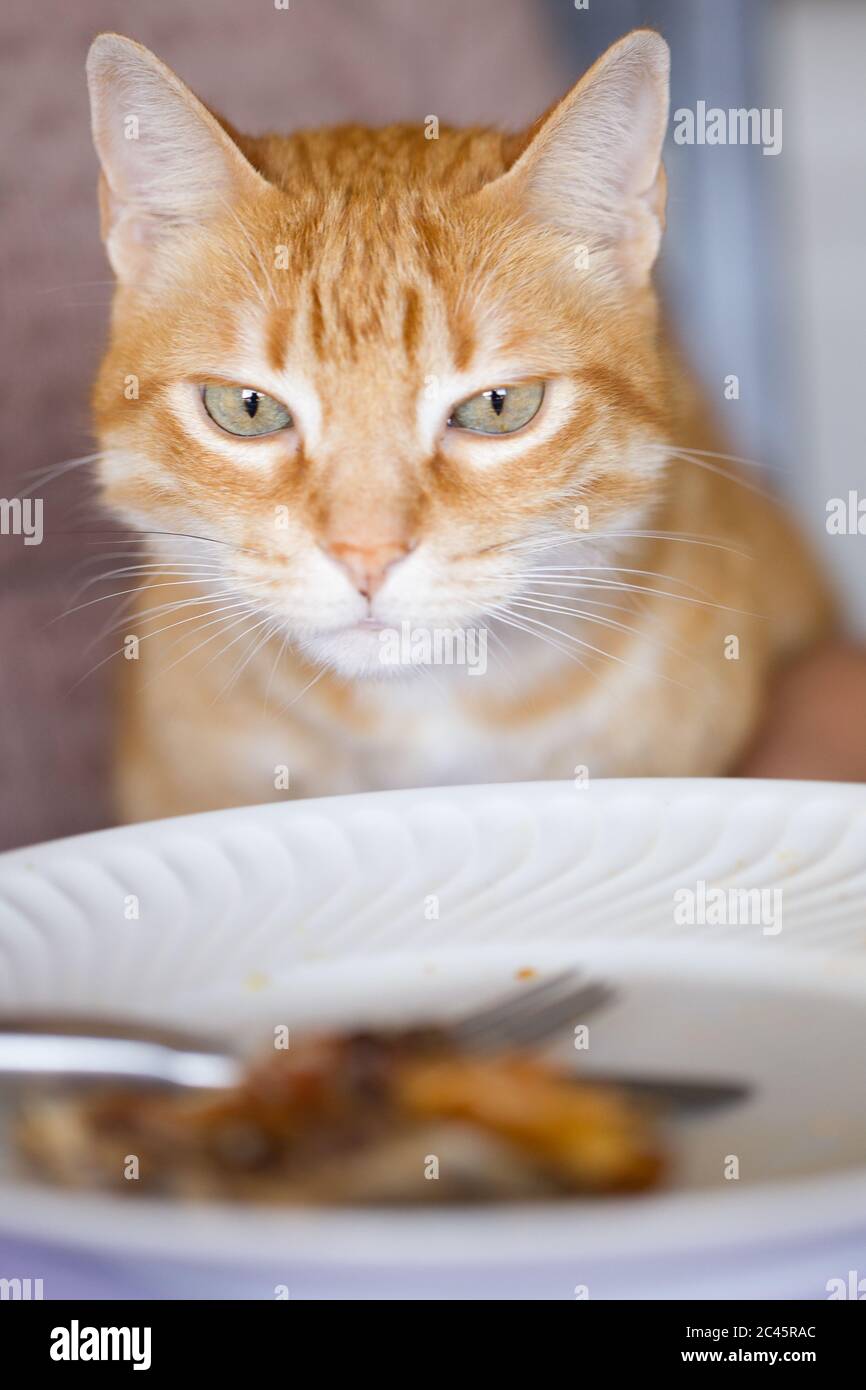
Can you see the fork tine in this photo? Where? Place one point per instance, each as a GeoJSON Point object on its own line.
{"type": "Point", "coordinates": [531, 1015]}
{"type": "Point", "coordinates": [510, 1005]}
{"type": "Point", "coordinates": [571, 1008]}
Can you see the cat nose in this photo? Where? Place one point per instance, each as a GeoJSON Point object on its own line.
{"type": "Point", "coordinates": [368, 565]}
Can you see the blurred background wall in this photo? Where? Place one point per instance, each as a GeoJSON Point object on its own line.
{"type": "Point", "coordinates": [763, 264]}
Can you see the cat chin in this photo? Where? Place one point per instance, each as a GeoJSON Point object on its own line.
{"type": "Point", "coordinates": [354, 653]}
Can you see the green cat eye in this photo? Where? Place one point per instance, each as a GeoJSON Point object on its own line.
{"type": "Point", "coordinates": [241, 410]}
{"type": "Point", "coordinates": [502, 410]}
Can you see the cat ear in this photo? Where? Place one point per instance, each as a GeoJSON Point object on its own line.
{"type": "Point", "coordinates": [593, 167]}
{"type": "Point", "coordinates": [166, 161]}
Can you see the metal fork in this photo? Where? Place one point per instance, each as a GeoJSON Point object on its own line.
{"type": "Point", "coordinates": [81, 1047]}
{"type": "Point", "coordinates": [39, 1048]}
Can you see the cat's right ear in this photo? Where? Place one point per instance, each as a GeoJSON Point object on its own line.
{"type": "Point", "coordinates": [166, 161]}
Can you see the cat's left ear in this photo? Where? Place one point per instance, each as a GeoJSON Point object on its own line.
{"type": "Point", "coordinates": [167, 163]}
{"type": "Point", "coordinates": [593, 168]}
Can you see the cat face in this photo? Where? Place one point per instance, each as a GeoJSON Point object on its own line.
{"type": "Point", "coordinates": [362, 378]}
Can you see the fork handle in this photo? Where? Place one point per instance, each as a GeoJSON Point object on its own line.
{"type": "Point", "coordinates": [38, 1052]}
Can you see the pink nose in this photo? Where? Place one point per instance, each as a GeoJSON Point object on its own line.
{"type": "Point", "coordinates": [368, 565]}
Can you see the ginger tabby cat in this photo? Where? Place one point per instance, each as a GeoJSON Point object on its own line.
{"type": "Point", "coordinates": [363, 382]}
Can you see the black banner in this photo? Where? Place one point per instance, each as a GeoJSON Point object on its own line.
{"type": "Point", "coordinates": [156, 1337]}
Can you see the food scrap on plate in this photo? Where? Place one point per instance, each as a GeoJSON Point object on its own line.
{"type": "Point", "coordinates": [360, 1117]}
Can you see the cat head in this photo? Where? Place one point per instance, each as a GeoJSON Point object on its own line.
{"type": "Point", "coordinates": [381, 374]}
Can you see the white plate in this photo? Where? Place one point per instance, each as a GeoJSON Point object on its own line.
{"type": "Point", "coordinates": [325, 913]}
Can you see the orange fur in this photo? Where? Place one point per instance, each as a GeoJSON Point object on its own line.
{"type": "Point", "coordinates": [370, 280]}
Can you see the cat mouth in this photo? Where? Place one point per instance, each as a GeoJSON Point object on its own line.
{"type": "Point", "coordinates": [362, 625]}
